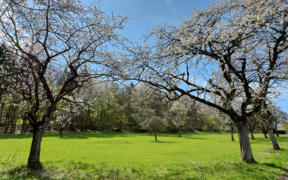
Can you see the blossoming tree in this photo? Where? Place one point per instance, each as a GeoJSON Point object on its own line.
{"type": "Point", "coordinates": [224, 50]}
{"type": "Point", "coordinates": [46, 36]}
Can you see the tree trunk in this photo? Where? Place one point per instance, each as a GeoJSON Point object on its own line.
{"type": "Point", "coordinates": [179, 133]}
{"type": "Point", "coordinates": [7, 120]}
{"type": "Point", "coordinates": [264, 132]}
{"type": "Point", "coordinates": [273, 139]}
{"type": "Point", "coordinates": [232, 136]}
{"type": "Point", "coordinates": [38, 132]}
{"type": "Point", "coordinates": [2, 109]}
{"type": "Point", "coordinates": [7, 123]}
{"type": "Point", "coordinates": [34, 157]}
{"type": "Point", "coordinates": [252, 135]}
{"type": "Point", "coordinates": [23, 126]}
{"type": "Point", "coordinates": [61, 130]}
{"type": "Point", "coordinates": [155, 136]}
{"type": "Point", "coordinates": [245, 146]}
{"type": "Point", "coordinates": [13, 122]}
{"type": "Point", "coordinates": [277, 134]}
{"type": "Point", "coordinates": [231, 132]}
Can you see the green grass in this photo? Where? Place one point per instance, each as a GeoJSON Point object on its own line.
{"type": "Point", "coordinates": [138, 156]}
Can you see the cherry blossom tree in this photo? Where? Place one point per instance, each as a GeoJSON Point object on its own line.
{"type": "Point", "coordinates": [150, 108]}
{"type": "Point", "coordinates": [46, 36]}
{"type": "Point", "coordinates": [224, 50]}
{"type": "Point", "coordinates": [178, 113]}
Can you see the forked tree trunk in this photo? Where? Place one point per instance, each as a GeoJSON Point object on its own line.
{"type": "Point", "coordinates": [155, 135]}
{"type": "Point", "coordinates": [245, 146]}
{"type": "Point", "coordinates": [252, 135]}
{"type": "Point", "coordinates": [273, 139]}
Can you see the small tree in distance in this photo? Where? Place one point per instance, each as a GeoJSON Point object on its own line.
{"type": "Point", "coordinates": [178, 114]}
{"type": "Point", "coordinates": [154, 124]}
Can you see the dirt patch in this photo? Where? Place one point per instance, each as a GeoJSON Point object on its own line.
{"type": "Point", "coordinates": [284, 176]}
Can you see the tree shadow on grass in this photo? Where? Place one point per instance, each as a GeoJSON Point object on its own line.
{"type": "Point", "coordinates": [162, 142]}
{"type": "Point", "coordinates": [86, 135]}
{"type": "Point", "coordinates": [273, 165]}
{"type": "Point", "coordinates": [194, 138]}
{"type": "Point", "coordinates": [69, 135]}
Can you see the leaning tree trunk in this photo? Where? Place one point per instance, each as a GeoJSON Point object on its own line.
{"type": "Point", "coordinates": [273, 138]}
{"type": "Point", "coordinates": [277, 134]}
{"type": "Point", "coordinates": [155, 135]}
{"type": "Point", "coordinates": [245, 146]}
{"type": "Point", "coordinates": [264, 132]}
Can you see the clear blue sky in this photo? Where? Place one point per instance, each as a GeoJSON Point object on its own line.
{"type": "Point", "coordinates": [146, 14]}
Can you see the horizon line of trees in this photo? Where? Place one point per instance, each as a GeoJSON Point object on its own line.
{"type": "Point", "coordinates": [135, 108]}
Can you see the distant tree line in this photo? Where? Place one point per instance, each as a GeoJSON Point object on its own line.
{"type": "Point", "coordinates": [103, 106]}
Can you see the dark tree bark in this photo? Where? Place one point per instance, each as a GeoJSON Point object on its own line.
{"type": "Point", "coordinates": [61, 132]}
{"type": "Point", "coordinates": [38, 132]}
{"type": "Point", "coordinates": [7, 120]}
{"type": "Point", "coordinates": [13, 122]}
{"type": "Point", "coordinates": [179, 133]}
{"type": "Point", "coordinates": [245, 146]}
{"type": "Point", "coordinates": [7, 124]}
{"type": "Point", "coordinates": [34, 156]}
{"type": "Point", "coordinates": [231, 132]}
{"type": "Point", "coordinates": [272, 137]}
{"type": "Point", "coordinates": [273, 140]}
{"type": "Point", "coordinates": [2, 109]}
{"type": "Point", "coordinates": [277, 134]}
{"type": "Point", "coordinates": [275, 128]}
{"type": "Point", "coordinates": [25, 126]}
{"type": "Point", "coordinates": [155, 135]}
{"type": "Point", "coordinates": [264, 132]}
{"type": "Point", "coordinates": [252, 135]}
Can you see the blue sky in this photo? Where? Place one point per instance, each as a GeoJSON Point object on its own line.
{"type": "Point", "coordinates": [146, 14]}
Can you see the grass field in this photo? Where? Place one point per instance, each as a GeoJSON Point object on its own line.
{"type": "Point", "coordinates": [138, 156]}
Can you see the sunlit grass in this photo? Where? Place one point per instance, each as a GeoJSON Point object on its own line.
{"type": "Point", "coordinates": [138, 156]}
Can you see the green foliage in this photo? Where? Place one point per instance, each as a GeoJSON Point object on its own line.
{"type": "Point", "coordinates": [154, 124]}
{"type": "Point", "coordinates": [125, 156]}
{"type": "Point", "coordinates": [205, 128]}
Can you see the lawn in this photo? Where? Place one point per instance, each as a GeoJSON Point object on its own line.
{"type": "Point", "coordinates": [138, 156]}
